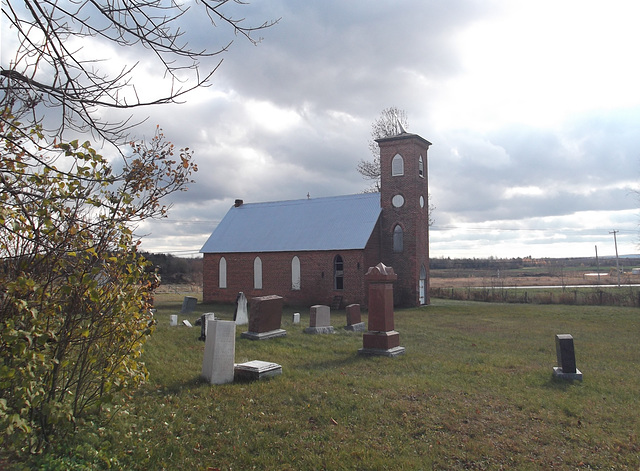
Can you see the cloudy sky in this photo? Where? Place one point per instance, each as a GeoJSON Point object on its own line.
{"type": "Point", "coordinates": [533, 109]}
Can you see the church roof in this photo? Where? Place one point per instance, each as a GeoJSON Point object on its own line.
{"type": "Point", "coordinates": [333, 223]}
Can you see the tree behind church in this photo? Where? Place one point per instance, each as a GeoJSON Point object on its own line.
{"type": "Point", "coordinates": [391, 122]}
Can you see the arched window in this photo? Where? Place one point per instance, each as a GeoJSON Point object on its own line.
{"type": "Point", "coordinates": [257, 273]}
{"type": "Point", "coordinates": [421, 167]}
{"type": "Point", "coordinates": [295, 273]}
{"type": "Point", "coordinates": [338, 273]}
{"type": "Point", "coordinates": [398, 239]}
{"type": "Point", "coordinates": [397, 166]}
{"type": "Point", "coordinates": [222, 273]}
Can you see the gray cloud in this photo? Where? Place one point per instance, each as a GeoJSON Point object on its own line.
{"type": "Point", "coordinates": [292, 116]}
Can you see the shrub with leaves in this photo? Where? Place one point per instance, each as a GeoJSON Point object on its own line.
{"type": "Point", "coordinates": [74, 292]}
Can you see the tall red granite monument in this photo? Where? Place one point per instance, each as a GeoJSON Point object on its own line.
{"type": "Point", "coordinates": [381, 338]}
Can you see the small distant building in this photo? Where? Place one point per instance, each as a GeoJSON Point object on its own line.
{"type": "Point", "coordinates": [317, 250]}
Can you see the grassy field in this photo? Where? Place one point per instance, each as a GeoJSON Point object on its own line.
{"type": "Point", "coordinates": [473, 391]}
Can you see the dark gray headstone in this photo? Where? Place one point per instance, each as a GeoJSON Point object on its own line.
{"type": "Point", "coordinates": [565, 353]}
{"type": "Point", "coordinates": [566, 358]}
{"type": "Point", "coordinates": [204, 318]}
{"type": "Point", "coordinates": [188, 304]}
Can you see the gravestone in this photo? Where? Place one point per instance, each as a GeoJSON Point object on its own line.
{"type": "Point", "coordinates": [186, 323]}
{"type": "Point", "coordinates": [265, 318]}
{"type": "Point", "coordinates": [219, 352]}
{"type": "Point", "coordinates": [188, 304]}
{"type": "Point", "coordinates": [240, 316]}
{"type": "Point", "coordinates": [566, 357]}
{"type": "Point", "coordinates": [204, 318]}
{"type": "Point", "coordinates": [381, 338]}
{"type": "Point", "coordinates": [173, 320]}
{"type": "Point", "coordinates": [319, 320]}
{"type": "Point", "coordinates": [256, 370]}
{"type": "Point", "coordinates": [354, 319]}
{"type": "Point", "coordinates": [296, 318]}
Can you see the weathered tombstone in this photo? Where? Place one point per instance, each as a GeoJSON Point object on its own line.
{"type": "Point", "coordinates": [219, 352]}
{"type": "Point", "coordinates": [319, 320]}
{"type": "Point", "coordinates": [188, 304]}
{"type": "Point", "coordinates": [256, 369]}
{"type": "Point", "coordinates": [381, 338]}
{"type": "Point", "coordinates": [173, 320]}
{"type": "Point", "coordinates": [566, 358]}
{"type": "Point", "coordinates": [265, 318]}
{"type": "Point", "coordinates": [296, 318]}
{"type": "Point", "coordinates": [186, 323]}
{"type": "Point", "coordinates": [204, 318]}
{"type": "Point", "coordinates": [354, 319]}
{"type": "Point", "coordinates": [240, 316]}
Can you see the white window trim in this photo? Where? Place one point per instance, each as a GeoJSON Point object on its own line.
{"type": "Point", "coordinates": [222, 273]}
{"type": "Point", "coordinates": [257, 273]}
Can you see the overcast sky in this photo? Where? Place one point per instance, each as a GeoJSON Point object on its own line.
{"type": "Point", "coordinates": [533, 109]}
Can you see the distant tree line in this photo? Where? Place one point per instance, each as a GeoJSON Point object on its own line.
{"type": "Point", "coordinates": [493, 263]}
{"type": "Point", "coordinates": [475, 263]}
{"type": "Point", "coordinates": [175, 270]}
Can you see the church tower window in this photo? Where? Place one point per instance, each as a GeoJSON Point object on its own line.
{"type": "Point", "coordinates": [397, 166]}
{"type": "Point", "coordinates": [421, 167]}
{"type": "Point", "coordinates": [398, 239]}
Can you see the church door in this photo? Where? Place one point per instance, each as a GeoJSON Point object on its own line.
{"type": "Point", "coordinates": [423, 279]}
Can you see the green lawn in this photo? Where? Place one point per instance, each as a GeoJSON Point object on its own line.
{"type": "Point", "coordinates": [473, 391]}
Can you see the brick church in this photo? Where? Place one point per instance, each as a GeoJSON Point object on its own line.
{"type": "Point", "coordinates": [317, 250]}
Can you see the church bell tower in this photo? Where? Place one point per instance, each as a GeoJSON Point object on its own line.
{"type": "Point", "coordinates": [404, 193]}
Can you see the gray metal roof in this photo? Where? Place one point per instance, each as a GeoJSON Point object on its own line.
{"type": "Point", "coordinates": [333, 223]}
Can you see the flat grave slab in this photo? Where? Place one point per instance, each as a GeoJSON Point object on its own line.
{"type": "Point", "coordinates": [264, 335]}
{"type": "Point", "coordinates": [256, 370]}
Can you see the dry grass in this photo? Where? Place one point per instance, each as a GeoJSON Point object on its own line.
{"type": "Point", "coordinates": [474, 391]}
{"type": "Point", "coordinates": [570, 279]}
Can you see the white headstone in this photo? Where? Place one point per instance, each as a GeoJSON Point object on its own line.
{"type": "Point", "coordinates": [242, 317]}
{"type": "Point", "coordinates": [219, 352]}
{"type": "Point", "coordinates": [186, 323]}
{"type": "Point", "coordinates": [173, 320]}
{"type": "Point", "coordinates": [319, 316]}
{"type": "Point", "coordinates": [319, 320]}
{"type": "Point", "coordinates": [296, 318]}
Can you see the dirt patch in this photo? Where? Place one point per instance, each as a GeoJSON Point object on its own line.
{"type": "Point", "coordinates": [179, 288]}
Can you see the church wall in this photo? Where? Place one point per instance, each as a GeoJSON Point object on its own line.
{"type": "Point", "coordinates": [316, 276]}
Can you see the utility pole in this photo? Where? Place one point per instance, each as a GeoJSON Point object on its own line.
{"type": "Point", "coordinates": [615, 241]}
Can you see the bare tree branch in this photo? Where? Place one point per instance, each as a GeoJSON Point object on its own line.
{"type": "Point", "coordinates": [48, 71]}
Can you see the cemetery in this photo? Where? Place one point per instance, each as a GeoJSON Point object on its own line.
{"type": "Point", "coordinates": [477, 387]}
